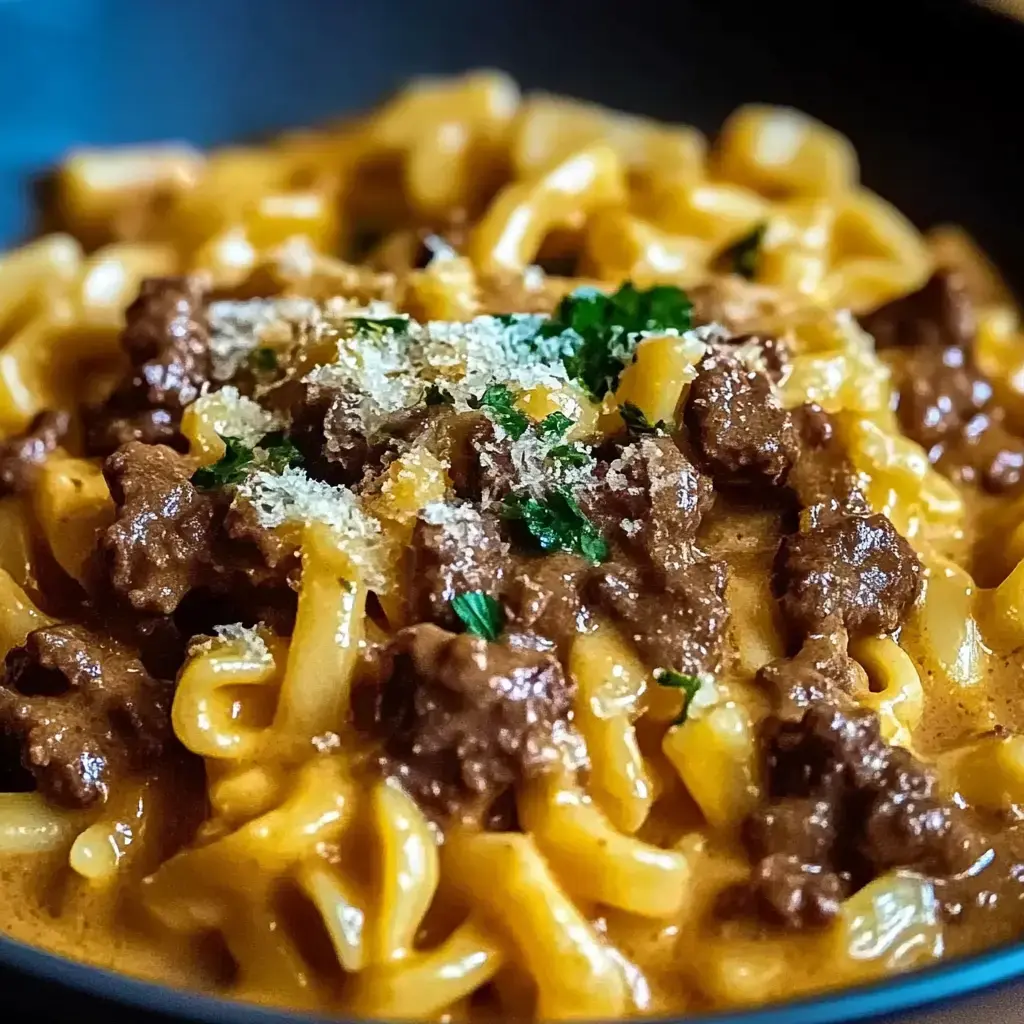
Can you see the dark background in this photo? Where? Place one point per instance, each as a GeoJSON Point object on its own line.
{"type": "Point", "coordinates": [926, 89]}
{"type": "Point", "coordinates": [923, 87]}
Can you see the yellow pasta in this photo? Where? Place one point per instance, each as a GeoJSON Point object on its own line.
{"type": "Point", "coordinates": [509, 237]}
{"type": "Point", "coordinates": [72, 507]}
{"type": "Point", "coordinates": [376, 671]}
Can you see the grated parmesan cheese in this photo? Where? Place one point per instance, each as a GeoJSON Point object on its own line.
{"type": "Point", "coordinates": [231, 414]}
{"type": "Point", "coordinates": [233, 632]}
{"type": "Point", "coordinates": [391, 370]}
{"type": "Point", "coordinates": [238, 327]}
{"type": "Point", "coordinates": [462, 524]}
{"type": "Point", "coordinates": [294, 497]}
{"type": "Point", "coordinates": [248, 636]}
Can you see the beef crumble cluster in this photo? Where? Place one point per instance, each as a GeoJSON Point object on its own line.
{"type": "Point", "coordinates": [459, 719]}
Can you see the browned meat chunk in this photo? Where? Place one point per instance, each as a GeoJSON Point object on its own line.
{"type": "Point", "coordinates": [678, 622]}
{"type": "Point", "coordinates": [480, 466]}
{"type": "Point", "coordinates": [822, 479]}
{"type": "Point", "coordinates": [22, 455]}
{"type": "Point", "coordinates": [161, 544]}
{"type": "Point", "coordinates": [743, 435]}
{"type": "Point", "coordinates": [461, 720]}
{"type": "Point", "coordinates": [844, 807]}
{"type": "Point", "coordinates": [169, 540]}
{"type": "Point", "coordinates": [785, 890]}
{"type": "Point", "coordinates": [946, 402]}
{"type": "Point", "coordinates": [84, 710]}
{"type": "Point", "coordinates": [466, 553]}
{"type": "Point", "coordinates": [856, 572]}
{"type": "Point", "coordinates": [818, 671]}
{"type": "Point", "coordinates": [737, 304]}
{"type": "Point", "coordinates": [649, 499]}
{"type": "Point", "coordinates": [545, 597]}
{"type": "Point", "coordinates": [347, 446]}
{"type": "Point", "coordinates": [940, 314]}
{"type": "Point", "coordinates": [167, 341]}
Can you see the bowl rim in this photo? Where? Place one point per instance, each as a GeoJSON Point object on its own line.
{"type": "Point", "coordinates": [949, 982]}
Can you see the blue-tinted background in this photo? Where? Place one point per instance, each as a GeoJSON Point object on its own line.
{"type": "Point", "coordinates": [920, 85]}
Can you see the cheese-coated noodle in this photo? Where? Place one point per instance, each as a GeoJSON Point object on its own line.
{"type": "Point", "coordinates": [502, 558]}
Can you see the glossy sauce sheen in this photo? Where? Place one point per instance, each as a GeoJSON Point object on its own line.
{"type": "Point", "coordinates": [502, 613]}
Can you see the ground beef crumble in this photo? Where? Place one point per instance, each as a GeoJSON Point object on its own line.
{"type": "Point", "coordinates": [166, 340]}
{"type": "Point", "coordinates": [84, 711]}
{"type": "Point", "coordinates": [461, 720]}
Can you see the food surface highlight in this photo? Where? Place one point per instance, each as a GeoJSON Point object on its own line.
{"type": "Point", "coordinates": [502, 558]}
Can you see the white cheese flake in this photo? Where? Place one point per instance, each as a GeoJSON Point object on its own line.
{"type": "Point", "coordinates": [462, 524]}
{"type": "Point", "coordinates": [631, 527]}
{"type": "Point", "coordinates": [248, 636]}
{"type": "Point", "coordinates": [295, 497]}
{"type": "Point", "coordinates": [239, 326]}
{"type": "Point", "coordinates": [231, 414]}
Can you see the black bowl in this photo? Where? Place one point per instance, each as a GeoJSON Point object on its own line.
{"type": "Point", "coordinates": [918, 85]}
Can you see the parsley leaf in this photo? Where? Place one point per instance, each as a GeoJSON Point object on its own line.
{"type": "Point", "coordinates": [231, 468]}
{"type": "Point", "coordinates": [378, 325]}
{"type": "Point", "coordinates": [501, 401]}
{"type": "Point", "coordinates": [557, 523]}
{"type": "Point", "coordinates": [273, 452]}
{"type": "Point", "coordinates": [609, 326]}
{"type": "Point", "coordinates": [435, 395]}
{"type": "Point", "coordinates": [669, 677]}
{"type": "Point", "coordinates": [555, 424]}
{"type": "Point", "coordinates": [742, 257]}
{"type": "Point", "coordinates": [278, 453]}
{"type": "Point", "coordinates": [569, 454]}
{"type": "Point", "coordinates": [638, 423]}
{"type": "Point", "coordinates": [481, 614]}
{"type": "Point", "coordinates": [263, 359]}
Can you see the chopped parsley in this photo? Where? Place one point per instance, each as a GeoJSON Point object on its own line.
{"type": "Point", "coordinates": [637, 422]}
{"type": "Point", "coordinates": [378, 325]}
{"type": "Point", "coordinates": [435, 395]}
{"type": "Point", "coordinates": [557, 524]}
{"type": "Point", "coordinates": [689, 685]}
{"type": "Point", "coordinates": [480, 613]}
{"type": "Point", "coordinates": [555, 424]}
{"type": "Point", "coordinates": [569, 455]}
{"type": "Point", "coordinates": [609, 326]}
{"type": "Point", "coordinates": [278, 453]}
{"type": "Point", "coordinates": [274, 452]}
{"type": "Point", "coordinates": [263, 359]}
{"type": "Point", "coordinates": [742, 257]}
{"type": "Point", "coordinates": [500, 400]}
{"type": "Point", "coordinates": [231, 468]}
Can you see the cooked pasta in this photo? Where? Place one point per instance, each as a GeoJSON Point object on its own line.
{"type": "Point", "coordinates": [502, 558]}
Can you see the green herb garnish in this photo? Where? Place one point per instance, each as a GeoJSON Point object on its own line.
{"type": "Point", "coordinates": [231, 468]}
{"type": "Point", "coordinates": [480, 613]}
{"type": "Point", "coordinates": [569, 454]}
{"type": "Point", "coordinates": [378, 325]}
{"type": "Point", "coordinates": [555, 424]}
{"type": "Point", "coordinates": [637, 422]}
{"type": "Point", "coordinates": [435, 395]}
{"type": "Point", "coordinates": [742, 257]}
{"type": "Point", "coordinates": [263, 359]}
{"type": "Point", "coordinates": [274, 452]}
{"type": "Point", "coordinates": [672, 679]}
{"type": "Point", "coordinates": [609, 326]}
{"type": "Point", "coordinates": [557, 523]}
{"type": "Point", "coordinates": [500, 400]}
{"type": "Point", "coordinates": [278, 453]}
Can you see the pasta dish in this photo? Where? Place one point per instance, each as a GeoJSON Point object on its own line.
{"type": "Point", "coordinates": [498, 557]}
